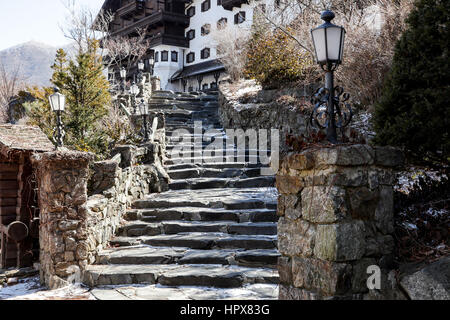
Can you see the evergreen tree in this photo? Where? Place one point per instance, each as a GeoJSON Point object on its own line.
{"type": "Point", "coordinates": [87, 97]}
{"type": "Point", "coordinates": [414, 110]}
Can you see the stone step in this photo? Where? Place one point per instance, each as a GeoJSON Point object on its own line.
{"type": "Point", "coordinates": [249, 292]}
{"type": "Point", "coordinates": [188, 152]}
{"type": "Point", "coordinates": [178, 275]}
{"type": "Point", "coordinates": [166, 255]}
{"type": "Point", "coordinates": [200, 214]}
{"type": "Point", "coordinates": [214, 159]}
{"type": "Point", "coordinates": [201, 240]}
{"type": "Point", "coordinates": [137, 229]}
{"type": "Point", "coordinates": [210, 183]}
{"type": "Point", "coordinates": [229, 199]}
{"type": "Point", "coordinates": [217, 173]}
{"type": "Point", "coordinates": [223, 165]}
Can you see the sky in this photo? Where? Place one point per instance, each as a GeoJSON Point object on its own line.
{"type": "Point", "coordinates": [36, 20]}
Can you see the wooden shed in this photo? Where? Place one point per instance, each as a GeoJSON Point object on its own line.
{"type": "Point", "coordinates": [19, 212]}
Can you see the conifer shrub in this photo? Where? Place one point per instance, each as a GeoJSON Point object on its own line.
{"type": "Point", "coordinates": [414, 110]}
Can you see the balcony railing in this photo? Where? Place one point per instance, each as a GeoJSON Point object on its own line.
{"type": "Point", "coordinates": [154, 19]}
{"type": "Point", "coordinates": [230, 4]}
{"type": "Point", "coordinates": [129, 10]}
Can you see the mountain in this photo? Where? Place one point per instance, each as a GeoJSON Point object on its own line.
{"type": "Point", "coordinates": [34, 60]}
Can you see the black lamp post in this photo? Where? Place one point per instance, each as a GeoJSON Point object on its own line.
{"type": "Point", "coordinates": [143, 106]}
{"type": "Point", "coordinates": [184, 82]}
{"type": "Point", "coordinates": [328, 42]}
{"type": "Point", "coordinates": [57, 103]}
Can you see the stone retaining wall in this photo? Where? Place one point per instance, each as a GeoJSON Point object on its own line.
{"type": "Point", "coordinates": [336, 209]}
{"type": "Point", "coordinates": [264, 109]}
{"type": "Point", "coordinates": [76, 223]}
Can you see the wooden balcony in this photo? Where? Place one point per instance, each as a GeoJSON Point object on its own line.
{"type": "Point", "coordinates": [128, 11]}
{"type": "Point", "coordinates": [152, 21]}
{"type": "Point", "coordinates": [230, 4]}
{"type": "Point", "coordinates": [169, 40]}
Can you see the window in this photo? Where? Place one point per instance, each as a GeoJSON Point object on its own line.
{"type": "Point", "coordinates": [262, 8]}
{"type": "Point", "coordinates": [206, 29]}
{"type": "Point", "coordinates": [190, 89]}
{"type": "Point", "coordinates": [239, 17]}
{"type": "Point", "coordinates": [205, 86]}
{"type": "Point", "coordinates": [156, 56]}
{"type": "Point", "coordinates": [205, 53]}
{"type": "Point", "coordinates": [190, 57]}
{"type": "Point", "coordinates": [190, 34]}
{"type": "Point", "coordinates": [213, 85]}
{"type": "Point", "coordinates": [219, 2]}
{"type": "Point", "coordinates": [164, 55]}
{"type": "Point", "coordinates": [191, 11]}
{"type": "Point", "coordinates": [174, 56]}
{"type": "Point", "coordinates": [222, 23]}
{"type": "Point", "coordinates": [206, 5]}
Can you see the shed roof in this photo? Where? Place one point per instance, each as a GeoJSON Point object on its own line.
{"type": "Point", "coordinates": [23, 138]}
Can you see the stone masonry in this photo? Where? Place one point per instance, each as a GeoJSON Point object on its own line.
{"type": "Point", "coordinates": [336, 219]}
{"type": "Point", "coordinates": [82, 204]}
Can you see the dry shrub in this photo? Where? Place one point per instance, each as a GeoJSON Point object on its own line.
{"type": "Point", "coordinates": [231, 45]}
{"type": "Point", "coordinates": [369, 51]}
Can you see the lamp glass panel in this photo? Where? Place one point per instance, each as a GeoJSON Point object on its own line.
{"type": "Point", "coordinates": [123, 73]}
{"type": "Point", "coordinates": [319, 44]}
{"type": "Point", "coordinates": [134, 89]}
{"type": "Point", "coordinates": [342, 45]}
{"type": "Point", "coordinates": [334, 42]}
{"type": "Point", "coordinates": [55, 102]}
{"type": "Point", "coordinates": [62, 102]}
{"type": "Point", "coordinates": [141, 66]}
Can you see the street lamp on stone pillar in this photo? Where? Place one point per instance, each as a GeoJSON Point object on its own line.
{"type": "Point", "coordinates": [151, 62]}
{"type": "Point", "coordinates": [134, 91]}
{"type": "Point", "coordinates": [123, 76]}
{"type": "Point", "coordinates": [328, 42]}
{"type": "Point", "coordinates": [141, 67]}
{"type": "Point", "coordinates": [143, 106]}
{"type": "Point", "coordinates": [58, 103]}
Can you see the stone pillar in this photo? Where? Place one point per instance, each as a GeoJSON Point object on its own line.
{"type": "Point", "coordinates": [336, 209]}
{"type": "Point", "coordinates": [62, 181]}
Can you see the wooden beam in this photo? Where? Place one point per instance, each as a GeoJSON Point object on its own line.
{"type": "Point", "coordinates": [9, 193]}
{"type": "Point", "coordinates": [8, 184]}
{"type": "Point", "coordinates": [8, 176]}
{"type": "Point", "coordinates": [7, 219]}
{"type": "Point", "coordinates": [6, 211]}
{"type": "Point", "coordinates": [9, 167]}
{"type": "Point", "coordinates": [7, 202]}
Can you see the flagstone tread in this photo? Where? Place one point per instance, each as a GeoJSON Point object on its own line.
{"type": "Point", "coordinates": [201, 240]}
{"type": "Point", "coordinates": [159, 292]}
{"type": "Point", "coordinates": [178, 275]}
{"type": "Point", "coordinates": [169, 255]}
{"type": "Point", "coordinates": [138, 228]}
{"type": "Point", "coordinates": [205, 183]}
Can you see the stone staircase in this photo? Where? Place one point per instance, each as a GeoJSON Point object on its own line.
{"type": "Point", "coordinates": [211, 236]}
